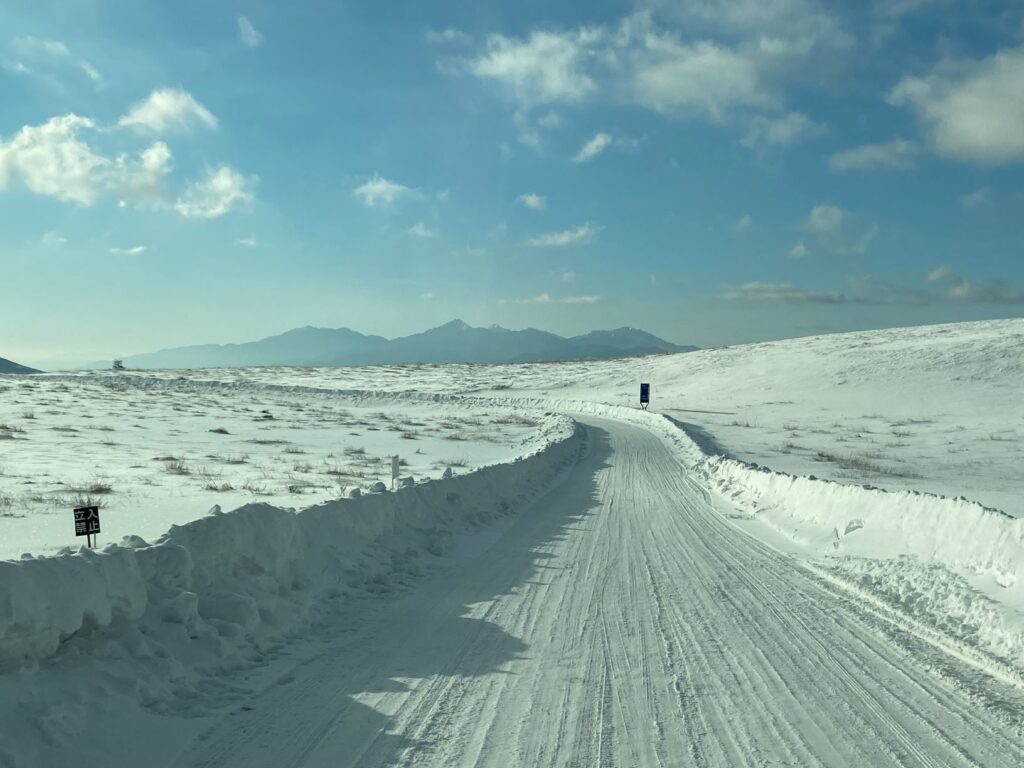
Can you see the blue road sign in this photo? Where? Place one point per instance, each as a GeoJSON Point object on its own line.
{"type": "Point", "coordinates": [645, 394]}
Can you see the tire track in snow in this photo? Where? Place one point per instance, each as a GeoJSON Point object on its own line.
{"type": "Point", "coordinates": [628, 624]}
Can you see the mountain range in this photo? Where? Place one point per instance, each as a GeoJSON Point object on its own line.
{"type": "Point", "coordinates": [6, 366]}
{"type": "Point", "coordinates": [454, 342]}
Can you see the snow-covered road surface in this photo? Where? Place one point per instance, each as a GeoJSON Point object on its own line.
{"type": "Point", "coordinates": [621, 621]}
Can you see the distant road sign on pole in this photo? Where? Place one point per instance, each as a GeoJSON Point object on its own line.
{"type": "Point", "coordinates": [87, 523]}
{"type": "Point", "coordinates": [645, 395]}
{"type": "Point", "coordinates": [394, 470]}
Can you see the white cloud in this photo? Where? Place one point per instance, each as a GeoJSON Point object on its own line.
{"type": "Point", "coordinates": [940, 273]}
{"type": "Point", "coordinates": [824, 219]}
{"type": "Point", "coordinates": [782, 292]}
{"type": "Point", "coordinates": [977, 198]}
{"type": "Point", "coordinates": [767, 132]}
{"type": "Point", "coordinates": [799, 251]}
{"type": "Point", "coordinates": [898, 154]}
{"type": "Point", "coordinates": [380, 190]}
{"type": "Point", "coordinates": [144, 180]}
{"type": "Point", "coordinates": [220, 191]}
{"type": "Point", "coordinates": [568, 276]}
{"type": "Point", "coordinates": [51, 160]}
{"type": "Point", "coordinates": [579, 299]}
{"type": "Point", "coordinates": [546, 67]}
{"type": "Point", "coordinates": [973, 110]}
{"type": "Point", "coordinates": [419, 229]}
{"type": "Point", "coordinates": [248, 34]}
{"type": "Point", "coordinates": [638, 61]}
{"type": "Point", "coordinates": [580, 234]}
{"type": "Point", "coordinates": [426, 296]}
{"type": "Point", "coordinates": [702, 77]}
{"type": "Point", "coordinates": [533, 201]}
{"type": "Point", "coordinates": [54, 160]}
{"type": "Point", "coordinates": [249, 242]}
{"type": "Point", "coordinates": [167, 109]}
{"type": "Point", "coordinates": [593, 147]}
{"type": "Point", "coordinates": [743, 223]}
{"type": "Point", "coordinates": [133, 251]}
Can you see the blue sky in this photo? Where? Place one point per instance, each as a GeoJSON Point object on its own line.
{"type": "Point", "coordinates": [714, 172]}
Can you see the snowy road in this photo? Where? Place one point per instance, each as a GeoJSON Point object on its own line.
{"type": "Point", "coordinates": [621, 621]}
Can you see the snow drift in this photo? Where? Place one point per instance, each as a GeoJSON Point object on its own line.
{"type": "Point", "coordinates": [210, 587]}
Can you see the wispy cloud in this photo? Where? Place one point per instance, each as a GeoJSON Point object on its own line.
{"type": "Point", "coordinates": [780, 292]}
{"type": "Point", "coordinates": [533, 201]}
{"type": "Point", "coordinates": [799, 251]}
{"type": "Point", "coordinates": [977, 198]}
{"type": "Point", "coordinates": [547, 298]}
{"type": "Point", "coordinates": [168, 109]}
{"type": "Point", "coordinates": [791, 128]}
{"type": "Point", "coordinates": [546, 67]}
{"type": "Point", "coordinates": [861, 245]}
{"type": "Point", "coordinates": [52, 52]}
{"type": "Point", "coordinates": [580, 234]}
{"type": "Point", "coordinates": [249, 242]}
{"type": "Point", "coordinates": [248, 34]}
{"type": "Point", "coordinates": [743, 223]}
{"type": "Point", "coordinates": [898, 154]}
{"type": "Point", "coordinates": [53, 238]}
{"type": "Point", "coordinates": [447, 35]}
{"type": "Point", "coordinates": [824, 219]}
{"type": "Point", "coordinates": [419, 229]}
{"type": "Point", "coordinates": [133, 251]}
{"type": "Point", "coordinates": [958, 288]}
{"type": "Point", "coordinates": [593, 147]}
{"type": "Point", "coordinates": [379, 190]}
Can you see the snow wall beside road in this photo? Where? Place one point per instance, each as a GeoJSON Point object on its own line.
{"type": "Point", "coordinates": [245, 578]}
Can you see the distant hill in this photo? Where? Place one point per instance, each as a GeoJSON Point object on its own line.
{"type": "Point", "coordinates": [454, 342]}
{"type": "Point", "coordinates": [6, 366]}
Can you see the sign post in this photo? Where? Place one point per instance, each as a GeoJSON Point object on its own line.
{"type": "Point", "coordinates": [87, 523]}
{"type": "Point", "coordinates": [645, 396]}
{"type": "Point", "coordinates": [394, 470]}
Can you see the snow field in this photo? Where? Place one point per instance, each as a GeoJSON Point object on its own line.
{"type": "Point", "coordinates": [935, 409]}
{"type": "Point", "coordinates": [156, 452]}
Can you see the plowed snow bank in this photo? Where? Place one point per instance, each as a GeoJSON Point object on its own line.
{"type": "Point", "coordinates": [229, 580]}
